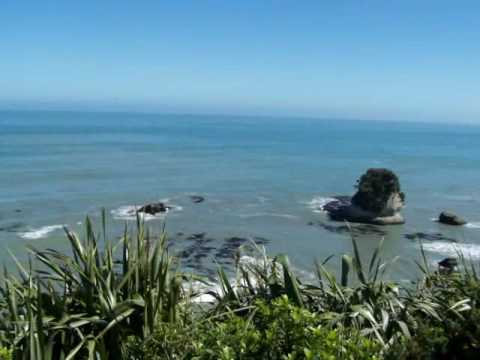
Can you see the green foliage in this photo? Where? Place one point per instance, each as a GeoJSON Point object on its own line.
{"type": "Point", "coordinates": [276, 330]}
{"type": "Point", "coordinates": [374, 188]}
{"type": "Point", "coordinates": [5, 354]}
{"type": "Point", "coordinates": [457, 334]}
{"type": "Point", "coordinates": [86, 304]}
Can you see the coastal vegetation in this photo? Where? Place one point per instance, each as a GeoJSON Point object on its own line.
{"type": "Point", "coordinates": [375, 187]}
{"type": "Point", "coordinates": [131, 299]}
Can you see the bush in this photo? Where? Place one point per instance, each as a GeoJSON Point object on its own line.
{"type": "Point", "coordinates": [277, 330]}
{"type": "Point", "coordinates": [456, 335]}
{"type": "Point", "coordinates": [374, 188]}
{"type": "Point", "coordinates": [5, 354]}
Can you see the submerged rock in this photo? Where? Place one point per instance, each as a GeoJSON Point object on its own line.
{"type": "Point", "coordinates": [197, 199]}
{"type": "Point", "coordinates": [197, 236]}
{"type": "Point", "coordinates": [355, 230]}
{"type": "Point", "coordinates": [154, 208]}
{"type": "Point", "coordinates": [450, 218]}
{"type": "Point", "coordinates": [12, 227]}
{"type": "Point", "coordinates": [227, 251]}
{"type": "Point", "coordinates": [378, 200]}
{"type": "Point", "coordinates": [429, 237]}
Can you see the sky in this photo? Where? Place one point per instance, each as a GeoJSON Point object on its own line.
{"type": "Point", "coordinates": [361, 59]}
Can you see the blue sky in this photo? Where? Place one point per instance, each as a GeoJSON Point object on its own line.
{"type": "Point", "coordinates": [389, 59]}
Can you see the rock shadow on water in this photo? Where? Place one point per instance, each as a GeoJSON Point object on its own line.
{"type": "Point", "coordinates": [429, 237]}
{"type": "Point", "coordinates": [364, 229]}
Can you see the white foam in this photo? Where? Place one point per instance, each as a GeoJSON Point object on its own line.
{"type": "Point", "coordinates": [449, 249]}
{"type": "Point", "coordinates": [40, 232]}
{"type": "Point", "coordinates": [202, 288]}
{"type": "Point", "coordinates": [318, 202]}
{"type": "Point", "coordinates": [129, 212]}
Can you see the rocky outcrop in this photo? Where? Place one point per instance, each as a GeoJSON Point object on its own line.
{"type": "Point", "coordinates": [378, 200]}
{"type": "Point", "coordinates": [154, 208]}
{"type": "Point", "coordinates": [449, 218]}
{"type": "Point", "coordinates": [447, 265]}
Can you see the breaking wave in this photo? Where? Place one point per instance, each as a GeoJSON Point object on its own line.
{"type": "Point", "coordinates": [40, 233]}
{"type": "Point", "coordinates": [318, 202]}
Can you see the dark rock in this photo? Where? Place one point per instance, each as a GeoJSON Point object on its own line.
{"type": "Point", "coordinates": [197, 236]}
{"type": "Point", "coordinates": [260, 240]}
{"type": "Point", "coordinates": [197, 199]}
{"type": "Point", "coordinates": [449, 218]}
{"type": "Point", "coordinates": [154, 208]}
{"type": "Point", "coordinates": [447, 265]}
{"type": "Point", "coordinates": [449, 262]}
{"type": "Point", "coordinates": [429, 237]}
{"type": "Point", "coordinates": [338, 205]}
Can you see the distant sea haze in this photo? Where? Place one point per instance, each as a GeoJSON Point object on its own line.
{"type": "Point", "coordinates": [263, 180]}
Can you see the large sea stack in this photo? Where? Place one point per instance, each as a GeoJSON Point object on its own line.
{"type": "Point", "coordinates": [378, 200]}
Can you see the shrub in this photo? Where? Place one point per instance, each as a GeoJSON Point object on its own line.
{"type": "Point", "coordinates": [374, 188]}
{"type": "Point", "coordinates": [276, 330]}
{"type": "Point", "coordinates": [5, 354]}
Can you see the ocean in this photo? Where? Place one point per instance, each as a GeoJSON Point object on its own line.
{"type": "Point", "coordinates": [263, 180]}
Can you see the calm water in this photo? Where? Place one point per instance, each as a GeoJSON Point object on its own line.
{"type": "Point", "coordinates": [261, 177]}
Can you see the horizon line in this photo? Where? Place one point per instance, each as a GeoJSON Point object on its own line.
{"type": "Point", "coordinates": [100, 110]}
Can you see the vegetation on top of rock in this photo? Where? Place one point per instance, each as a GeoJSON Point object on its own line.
{"type": "Point", "coordinates": [374, 188]}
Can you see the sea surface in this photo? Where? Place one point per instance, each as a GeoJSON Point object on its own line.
{"type": "Point", "coordinates": [263, 180]}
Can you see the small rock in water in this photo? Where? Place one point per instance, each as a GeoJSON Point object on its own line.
{"type": "Point", "coordinates": [154, 208]}
{"type": "Point", "coordinates": [197, 236]}
{"type": "Point", "coordinates": [448, 264]}
{"type": "Point", "coordinates": [450, 218]}
{"type": "Point", "coordinates": [197, 199]}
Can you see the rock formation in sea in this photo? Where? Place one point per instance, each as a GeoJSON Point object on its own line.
{"type": "Point", "coordinates": [378, 200]}
{"type": "Point", "coordinates": [154, 208]}
{"type": "Point", "coordinates": [450, 218]}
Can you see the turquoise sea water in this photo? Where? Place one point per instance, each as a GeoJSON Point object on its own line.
{"type": "Point", "coordinates": [261, 177]}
